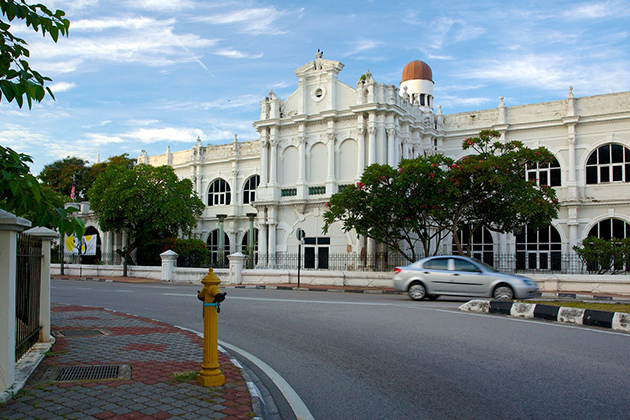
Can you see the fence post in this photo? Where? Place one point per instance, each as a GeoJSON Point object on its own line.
{"type": "Point", "coordinates": [169, 262]}
{"type": "Point", "coordinates": [236, 267]}
{"type": "Point", "coordinates": [46, 235]}
{"type": "Point", "coordinates": [10, 226]}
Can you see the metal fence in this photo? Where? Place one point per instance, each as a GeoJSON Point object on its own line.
{"type": "Point", "coordinates": [520, 262]}
{"type": "Point", "coordinates": [28, 285]}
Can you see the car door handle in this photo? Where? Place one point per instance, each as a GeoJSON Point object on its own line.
{"type": "Point", "coordinates": [455, 274]}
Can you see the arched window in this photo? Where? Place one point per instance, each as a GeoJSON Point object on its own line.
{"type": "Point", "coordinates": [548, 174]}
{"type": "Point", "coordinates": [539, 249]}
{"type": "Point", "coordinates": [481, 244]}
{"type": "Point", "coordinates": [218, 255]}
{"type": "Point", "coordinates": [249, 190]}
{"type": "Point", "coordinates": [219, 193]}
{"type": "Point", "coordinates": [609, 163]}
{"type": "Point", "coordinates": [611, 228]}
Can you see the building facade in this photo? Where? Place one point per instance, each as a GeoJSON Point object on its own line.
{"type": "Point", "coordinates": [320, 139]}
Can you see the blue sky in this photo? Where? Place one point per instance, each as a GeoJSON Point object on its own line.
{"type": "Point", "coordinates": [147, 74]}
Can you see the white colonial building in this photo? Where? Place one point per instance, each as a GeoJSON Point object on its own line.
{"type": "Point", "coordinates": [320, 138]}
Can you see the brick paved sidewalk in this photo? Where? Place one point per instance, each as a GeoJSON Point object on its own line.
{"type": "Point", "coordinates": [147, 354]}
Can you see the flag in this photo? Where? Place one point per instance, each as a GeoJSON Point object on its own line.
{"type": "Point", "coordinates": [72, 191]}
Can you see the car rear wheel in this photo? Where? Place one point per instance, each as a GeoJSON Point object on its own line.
{"type": "Point", "coordinates": [504, 292]}
{"type": "Point", "coordinates": [417, 291]}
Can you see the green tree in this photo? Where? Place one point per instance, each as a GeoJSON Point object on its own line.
{"type": "Point", "coordinates": [401, 208]}
{"type": "Point", "coordinates": [21, 194]}
{"type": "Point", "coordinates": [143, 201]}
{"type": "Point", "coordinates": [492, 192]}
{"type": "Point", "coordinates": [60, 175]}
{"type": "Point", "coordinates": [604, 255]}
{"type": "Point", "coordinates": [429, 197]}
{"type": "Point", "coordinates": [17, 79]}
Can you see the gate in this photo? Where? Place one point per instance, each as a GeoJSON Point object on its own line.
{"type": "Point", "coordinates": [28, 285]}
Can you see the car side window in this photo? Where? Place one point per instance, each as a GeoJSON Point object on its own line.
{"type": "Point", "coordinates": [461, 265]}
{"type": "Point", "coordinates": [437, 264]}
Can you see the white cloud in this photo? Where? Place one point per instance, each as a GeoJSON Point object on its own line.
{"type": "Point", "coordinates": [238, 102]}
{"type": "Point", "coordinates": [99, 25]}
{"type": "Point", "coordinates": [173, 134]}
{"type": "Point", "coordinates": [446, 30]}
{"type": "Point", "coordinates": [152, 42]}
{"type": "Point", "coordinates": [256, 21]}
{"type": "Point", "coordinates": [236, 54]}
{"type": "Point", "coordinates": [363, 45]}
{"type": "Point", "coordinates": [598, 10]}
{"type": "Point", "coordinates": [62, 87]}
{"type": "Point", "coordinates": [162, 5]}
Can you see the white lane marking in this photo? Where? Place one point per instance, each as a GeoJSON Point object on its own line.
{"type": "Point", "coordinates": [123, 291]}
{"type": "Point", "coordinates": [294, 400]}
{"type": "Point", "coordinates": [313, 301]}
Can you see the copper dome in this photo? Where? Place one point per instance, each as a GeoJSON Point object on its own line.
{"type": "Point", "coordinates": [417, 70]}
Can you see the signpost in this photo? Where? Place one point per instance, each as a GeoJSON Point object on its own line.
{"type": "Point", "coordinates": [299, 234]}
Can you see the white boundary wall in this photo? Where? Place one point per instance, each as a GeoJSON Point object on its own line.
{"type": "Point", "coordinates": [604, 284]}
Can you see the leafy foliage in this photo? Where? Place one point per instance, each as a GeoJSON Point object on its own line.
{"type": "Point", "coordinates": [400, 208]}
{"type": "Point", "coordinates": [21, 194]}
{"type": "Point", "coordinates": [604, 255]}
{"type": "Point", "coordinates": [192, 252]}
{"type": "Point", "coordinates": [431, 196]}
{"type": "Point", "coordinates": [18, 81]}
{"type": "Point", "coordinates": [493, 192]}
{"type": "Point", "coordinates": [58, 175]}
{"type": "Point", "coordinates": [144, 201]}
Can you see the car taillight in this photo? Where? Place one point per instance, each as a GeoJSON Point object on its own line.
{"type": "Point", "coordinates": [397, 270]}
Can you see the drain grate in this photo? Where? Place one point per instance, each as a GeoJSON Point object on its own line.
{"type": "Point", "coordinates": [78, 333]}
{"type": "Point", "coordinates": [80, 373]}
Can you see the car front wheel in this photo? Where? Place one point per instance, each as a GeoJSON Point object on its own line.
{"type": "Point", "coordinates": [417, 291]}
{"type": "Point", "coordinates": [504, 292]}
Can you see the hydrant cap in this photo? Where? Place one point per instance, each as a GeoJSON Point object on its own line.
{"type": "Point", "coordinates": [210, 278]}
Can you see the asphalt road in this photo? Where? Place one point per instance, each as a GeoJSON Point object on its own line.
{"type": "Point", "coordinates": [357, 356]}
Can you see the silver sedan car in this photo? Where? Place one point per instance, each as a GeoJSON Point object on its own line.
{"type": "Point", "coordinates": [455, 275]}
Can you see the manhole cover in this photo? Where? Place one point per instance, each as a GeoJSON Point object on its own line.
{"type": "Point", "coordinates": [78, 333]}
{"type": "Point", "coordinates": [98, 372]}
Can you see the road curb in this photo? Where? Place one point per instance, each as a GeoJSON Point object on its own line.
{"type": "Point", "coordinates": [618, 321]}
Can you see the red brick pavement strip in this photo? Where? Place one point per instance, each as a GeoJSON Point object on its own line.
{"type": "Point", "coordinates": [235, 393]}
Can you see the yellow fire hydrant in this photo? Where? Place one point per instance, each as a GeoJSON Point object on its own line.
{"type": "Point", "coordinates": [212, 297]}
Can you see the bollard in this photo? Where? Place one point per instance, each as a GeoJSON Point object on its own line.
{"type": "Point", "coordinates": [211, 297]}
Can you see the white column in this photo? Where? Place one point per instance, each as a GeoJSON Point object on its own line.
{"type": "Point", "coordinates": [10, 225]}
{"type": "Point", "coordinates": [264, 158]}
{"type": "Point", "coordinates": [263, 250]}
{"type": "Point", "coordinates": [361, 152]}
{"type": "Point", "coordinates": [302, 162]}
{"type": "Point", "coordinates": [272, 239]}
{"type": "Point", "coordinates": [572, 181]}
{"type": "Point", "coordinates": [46, 235]}
{"type": "Point", "coordinates": [331, 159]}
{"type": "Point", "coordinates": [391, 147]}
{"type": "Point", "coordinates": [169, 262]}
{"type": "Point", "coordinates": [274, 163]}
{"type": "Point", "coordinates": [372, 144]}
{"type": "Point", "coordinates": [236, 267]}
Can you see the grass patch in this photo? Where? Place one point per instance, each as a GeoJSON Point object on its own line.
{"type": "Point", "coordinates": [54, 353]}
{"type": "Point", "coordinates": [184, 376]}
{"type": "Point", "coordinates": [21, 393]}
{"type": "Point", "coordinates": [596, 306]}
